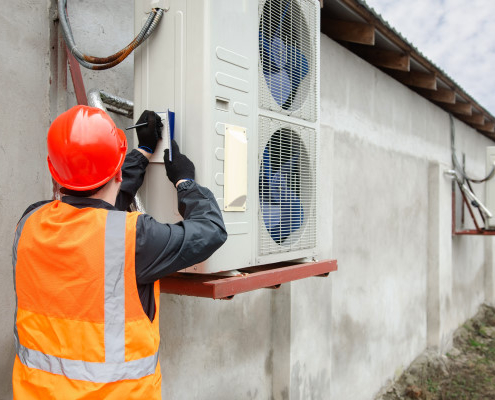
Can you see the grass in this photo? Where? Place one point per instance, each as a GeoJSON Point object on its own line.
{"type": "Point", "coordinates": [471, 373]}
{"type": "Point", "coordinates": [466, 373]}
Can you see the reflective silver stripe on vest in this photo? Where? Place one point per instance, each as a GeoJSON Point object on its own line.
{"type": "Point", "coordinates": [89, 371]}
{"type": "Point", "coordinates": [115, 368]}
{"type": "Point", "coordinates": [115, 287]}
{"type": "Point", "coordinates": [17, 236]}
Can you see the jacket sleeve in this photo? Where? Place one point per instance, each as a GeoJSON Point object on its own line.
{"type": "Point", "coordinates": [133, 172]}
{"type": "Point", "coordinates": [162, 249]}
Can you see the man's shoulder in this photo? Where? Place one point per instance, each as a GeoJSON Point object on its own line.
{"type": "Point", "coordinates": [34, 206]}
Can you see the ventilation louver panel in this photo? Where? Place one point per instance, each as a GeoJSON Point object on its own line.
{"type": "Point", "coordinates": [287, 57]}
{"type": "Point", "coordinates": [287, 189]}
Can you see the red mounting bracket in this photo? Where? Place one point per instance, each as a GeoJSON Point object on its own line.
{"type": "Point", "coordinates": [216, 286]}
{"type": "Point", "coordinates": [77, 79]}
{"type": "Point", "coordinates": [479, 230]}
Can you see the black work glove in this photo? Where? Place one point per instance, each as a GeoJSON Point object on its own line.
{"type": "Point", "coordinates": [180, 167]}
{"type": "Point", "coordinates": [148, 135]}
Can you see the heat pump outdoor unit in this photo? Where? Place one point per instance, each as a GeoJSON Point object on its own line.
{"type": "Point", "coordinates": [243, 80]}
{"type": "Point", "coordinates": [490, 187]}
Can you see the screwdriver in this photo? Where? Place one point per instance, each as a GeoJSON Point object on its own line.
{"type": "Point", "coordinates": [136, 126]}
{"type": "Point", "coordinates": [143, 123]}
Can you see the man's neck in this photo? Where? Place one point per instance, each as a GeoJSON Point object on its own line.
{"type": "Point", "coordinates": [108, 193]}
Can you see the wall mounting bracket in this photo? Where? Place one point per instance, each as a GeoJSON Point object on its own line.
{"type": "Point", "coordinates": [479, 228]}
{"type": "Point", "coordinates": [270, 276]}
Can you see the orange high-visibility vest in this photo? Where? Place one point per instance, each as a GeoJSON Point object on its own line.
{"type": "Point", "coordinates": [81, 331]}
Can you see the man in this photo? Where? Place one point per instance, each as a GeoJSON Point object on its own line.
{"type": "Point", "coordinates": [86, 275]}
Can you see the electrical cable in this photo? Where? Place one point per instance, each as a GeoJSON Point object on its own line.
{"type": "Point", "coordinates": [456, 163]}
{"type": "Point", "coordinates": [101, 63]}
{"type": "Point", "coordinates": [468, 192]}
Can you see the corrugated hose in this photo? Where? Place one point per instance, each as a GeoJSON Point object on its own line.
{"type": "Point", "coordinates": [101, 63]}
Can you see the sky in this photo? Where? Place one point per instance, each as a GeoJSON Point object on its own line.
{"type": "Point", "coordinates": [458, 36]}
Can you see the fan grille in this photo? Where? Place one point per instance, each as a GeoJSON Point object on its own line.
{"type": "Point", "coordinates": [287, 51]}
{"type": "Point", "coordinates": [287, 189]}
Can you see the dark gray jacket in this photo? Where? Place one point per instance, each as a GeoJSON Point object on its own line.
{"type": "Point", "coordinates": [162, 249]}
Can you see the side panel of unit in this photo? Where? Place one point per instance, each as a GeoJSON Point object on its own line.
{"type": "Point", "coordinates": [490, 187]}
{"type": "Point", "coordinates": [201, 63]}
{"type": "Point", "coordinates": [160, 66]}
{"type": "Point", "coordinates": [233, 80]}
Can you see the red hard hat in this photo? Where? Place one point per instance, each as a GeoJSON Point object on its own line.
{"type": "Point", "coordinates": [85, 148]}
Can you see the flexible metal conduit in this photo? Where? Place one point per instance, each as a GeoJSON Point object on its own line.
{"type": "Point", "coordinates": [101, 63]}
{"type": "Point", "coordinates": [98, 98]}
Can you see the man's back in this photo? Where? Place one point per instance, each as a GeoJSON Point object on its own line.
{"type": "Point", "coordinates": [81, 331]}
{"type": "Point", "coordinates": [86, 273]}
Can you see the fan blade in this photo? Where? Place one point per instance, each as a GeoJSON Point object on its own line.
{"type": "Point", "coordinates": [282, 219]}
{"type": "Point", "coordinates": [281, 207]}
{"type": "Point", "coordinates": [287, 166]}
{"type": "Point", "coordinates": [286, 8]}
{"type": "Point", "coordinates": [297, 67]}
{"type": "Point", "coordinates": [292, 211]}
{"type": "Point", "coordinates": [271, 215]}
{"type": "Point", "coordinates": [268, 62]}
{"type": "Point", "coordinates": [265, 177]}
{"type": "Point", "coordinates": [278, 52]}
{"type": "Point", "coordinates": [279, 85]}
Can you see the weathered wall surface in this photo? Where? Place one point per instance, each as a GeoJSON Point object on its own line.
{"type": "Point", "coordinates": [102, 28]}
{"type": "Point", "coordinates": [387, 140]}
{"type": "Point", "coordinates": [25, 114]}
{"type": "Point", "coordinates": [34, 91]}
{"type": "Point", "coordinates": [403, 283]}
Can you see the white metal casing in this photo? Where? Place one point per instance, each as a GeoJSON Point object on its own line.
{"type": "Point", "coordinates": [202, 62]}
{"type": "Point", "coordinates": [490, 187]}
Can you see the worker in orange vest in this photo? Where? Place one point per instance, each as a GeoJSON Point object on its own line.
{"type": "Point", "coordinates": [86, 272]}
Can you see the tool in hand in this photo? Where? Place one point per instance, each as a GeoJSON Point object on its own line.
{"type": "Point", "coordinates": [170, 128]}
{"type": "Point", "coordinates": [136, 126]}
{"type": "Point", "coordinates": [144, 123]}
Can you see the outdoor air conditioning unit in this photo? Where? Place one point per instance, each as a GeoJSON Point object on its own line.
{"type": "Point", "coordinates": [490, 187]}
{"type": "Point", "coordinates": [243, 80]}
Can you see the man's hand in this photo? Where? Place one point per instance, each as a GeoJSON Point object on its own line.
{"type": "Point", "coordinates": [180, 168]}
{"type": "Point", "coordinates": [149, 135]}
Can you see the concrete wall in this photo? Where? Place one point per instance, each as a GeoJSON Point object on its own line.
{"type": "Point", "coordinates": [34, 91]}
{"type": "Point", "coordinates": [403, 282]}
{"type": "Point", "coordinates": [25, 29]}
{"type": "Point", "coordinates": [102, 28]}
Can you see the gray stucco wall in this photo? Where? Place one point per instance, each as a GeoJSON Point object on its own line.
{"type": "Point", "coordinates": [25, 114]}
{"type": "Point", "coordinates": [386, 139]}
{"type": "Point", "coordinates": [384, 215]}
{"type": "Point", "coordinates": [102, 28]}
